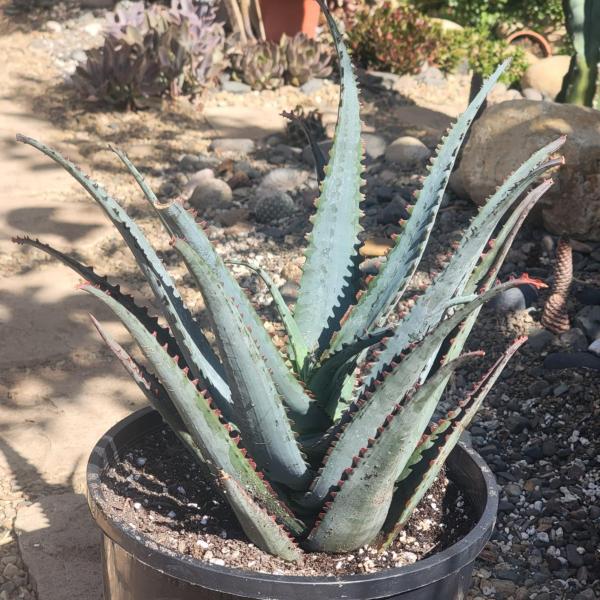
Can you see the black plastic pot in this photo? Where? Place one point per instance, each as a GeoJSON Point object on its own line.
{"type": "Point", "coordinates": [135, 568]}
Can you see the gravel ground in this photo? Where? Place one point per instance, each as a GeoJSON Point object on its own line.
{"type": "Point", "coordinates": [14, 579]}
{"type": "Point", "coordinates": [537, 428]}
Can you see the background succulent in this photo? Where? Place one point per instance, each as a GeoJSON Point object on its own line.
{"type": "Point", "coordinates": [181, 45]}
{"type": "Point", "coordinates": [261, 64]}
{"type": "Point", "coordinates": [583, 25]}
{"type": "Point", "coordinates": [395, 38]}
{"type": "Point", "coordinates": [120, 73]}
{"type": "Point", "coordinates": [350, 446]}
{"type": "Point", "coordinates": [306, 58]}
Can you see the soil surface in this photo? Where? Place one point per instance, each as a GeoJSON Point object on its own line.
{"type": "Point", "coordinates": [158, 490]}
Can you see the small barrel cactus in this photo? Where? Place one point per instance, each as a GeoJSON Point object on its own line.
{"type": "Point", "coordinates": [320, 448]}
{"type": "Point", "coordinates": [273, 206]}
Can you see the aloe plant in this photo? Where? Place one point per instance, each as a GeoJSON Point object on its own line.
{"type": "Point", "coordinates": [331, 443]}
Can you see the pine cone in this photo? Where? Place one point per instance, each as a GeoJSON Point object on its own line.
{"type": "Point", "coordinates": [555, 317]}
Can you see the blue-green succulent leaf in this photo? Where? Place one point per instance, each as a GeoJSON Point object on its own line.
{"type": "Point", "coordinates": [434, 448]}
{"type": "Point", "coordinates": [406, 254]}
{"type": "Point", "coordinates": [297, 348]}
{"type": "Point", "coordinates": [260, 527]}
{"type": "Point", "coordinates": [217, 441]}
{"type": "Point", "coordinates": [305, 413]}
{"type": "Point", "coordinates": [361, 502]}
{"type": "Point", "coordinates": [326, 288]}
{"type": "Point", "coordinates": [259, 409]}
{"type": "Point", "coordinates": [370, 410]}
{"type": "Point", "coordinates": [196, 349]}
{"type": "Point", "coordinates": [163, 335]}
{"type": "Point", "coordinates": [431, 306]}
{"type": "Point", "coordinates": [154, 392]}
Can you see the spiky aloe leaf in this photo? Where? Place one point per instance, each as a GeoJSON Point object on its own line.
{"type": "Point", "coordinates": [324, 380]}
{"type": "Point", "coordinates": [489, 266]}
{"type": "Point", "coordinates": [163, 335]}
{"type": "Point", "coordinates": [196, 349]}
{"type": "Point", "coordinates": [430, 307]}
{"type": "Point", "coordinates": [154, 392]}
{"type": "Point", "coordinates": [361, 502]}
{"type": "Point", "coordinates": [217, 441]}
{"type": "Point", "coordinates": [181, 223]}
{"type": "Point", "coordinates": [376, 403]}
{"type": "Point", "coordinates": [331, 257]}
{"type": "Point", "coordinates": [297, 348]}
{"type": "Point", "coordinates": [259, 409]}
{"type": "Point", "coordinates": [433, 450]}
{"type": "Point", "coordinates": [405, 256]}
{"type": "Point", "coordinates": [260, 527]}
{"type": "Point", "coordinates": [484, 275]}
{"type": "Point", "coordinates": [257, 523]}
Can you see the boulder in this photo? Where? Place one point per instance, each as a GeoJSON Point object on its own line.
{"type": "Point", "coordinates": [546, 75]}
{"type": "Point", "coordinates": [508, 133]}
{"type": "Point", "coordinates": [407, 150]}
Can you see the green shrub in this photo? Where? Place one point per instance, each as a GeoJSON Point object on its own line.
{"type": "Point", "coordinates": [482, 53]}
{"type": "Point", "coordinates": [401, 39]}
{"type": "Point", "coordinates": [487, 13]}
{"type": "Point", "coordinates": [396, 39]}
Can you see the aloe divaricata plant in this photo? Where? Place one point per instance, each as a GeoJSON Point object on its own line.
{"type": "Point", "coordinates": [331, 444]}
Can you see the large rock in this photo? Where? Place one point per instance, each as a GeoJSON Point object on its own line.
{"type": "Point", "coordinates": [508, 133]}
{"type": "Point", "coordinates": [546, 75]}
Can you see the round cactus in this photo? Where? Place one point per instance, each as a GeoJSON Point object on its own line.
{"type": "Point", "coordinates": [274, 206]}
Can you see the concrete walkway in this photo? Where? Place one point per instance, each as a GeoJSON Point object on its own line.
{"type": "Point", "coordinates": [59, 390]}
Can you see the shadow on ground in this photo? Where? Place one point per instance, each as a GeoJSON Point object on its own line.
{"type": "Point", "coordinates": [57, 538]}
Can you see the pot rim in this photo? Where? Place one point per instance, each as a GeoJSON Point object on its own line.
{"type": "Point", "coordinates": [261, 585]}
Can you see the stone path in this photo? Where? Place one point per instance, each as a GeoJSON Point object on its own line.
{"type": "Point", "coordinates": [58, 390]}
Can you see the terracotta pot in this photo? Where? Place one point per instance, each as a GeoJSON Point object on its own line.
{"type": "Point", "coordinates": [289, 17]}
{"type": "Point", "coordinates": [534, 37]}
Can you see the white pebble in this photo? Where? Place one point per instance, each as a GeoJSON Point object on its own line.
{"type": "Point", "coordinates": [204, 545]}
{"type": "Point", "coordinates": [141, 461]}
{"type": "Point", "coordinates": [171, 514]}
{"type": "Point", "coordinates": [217, 561]}
{"type": "Point", "coordinates": [137, 505]}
